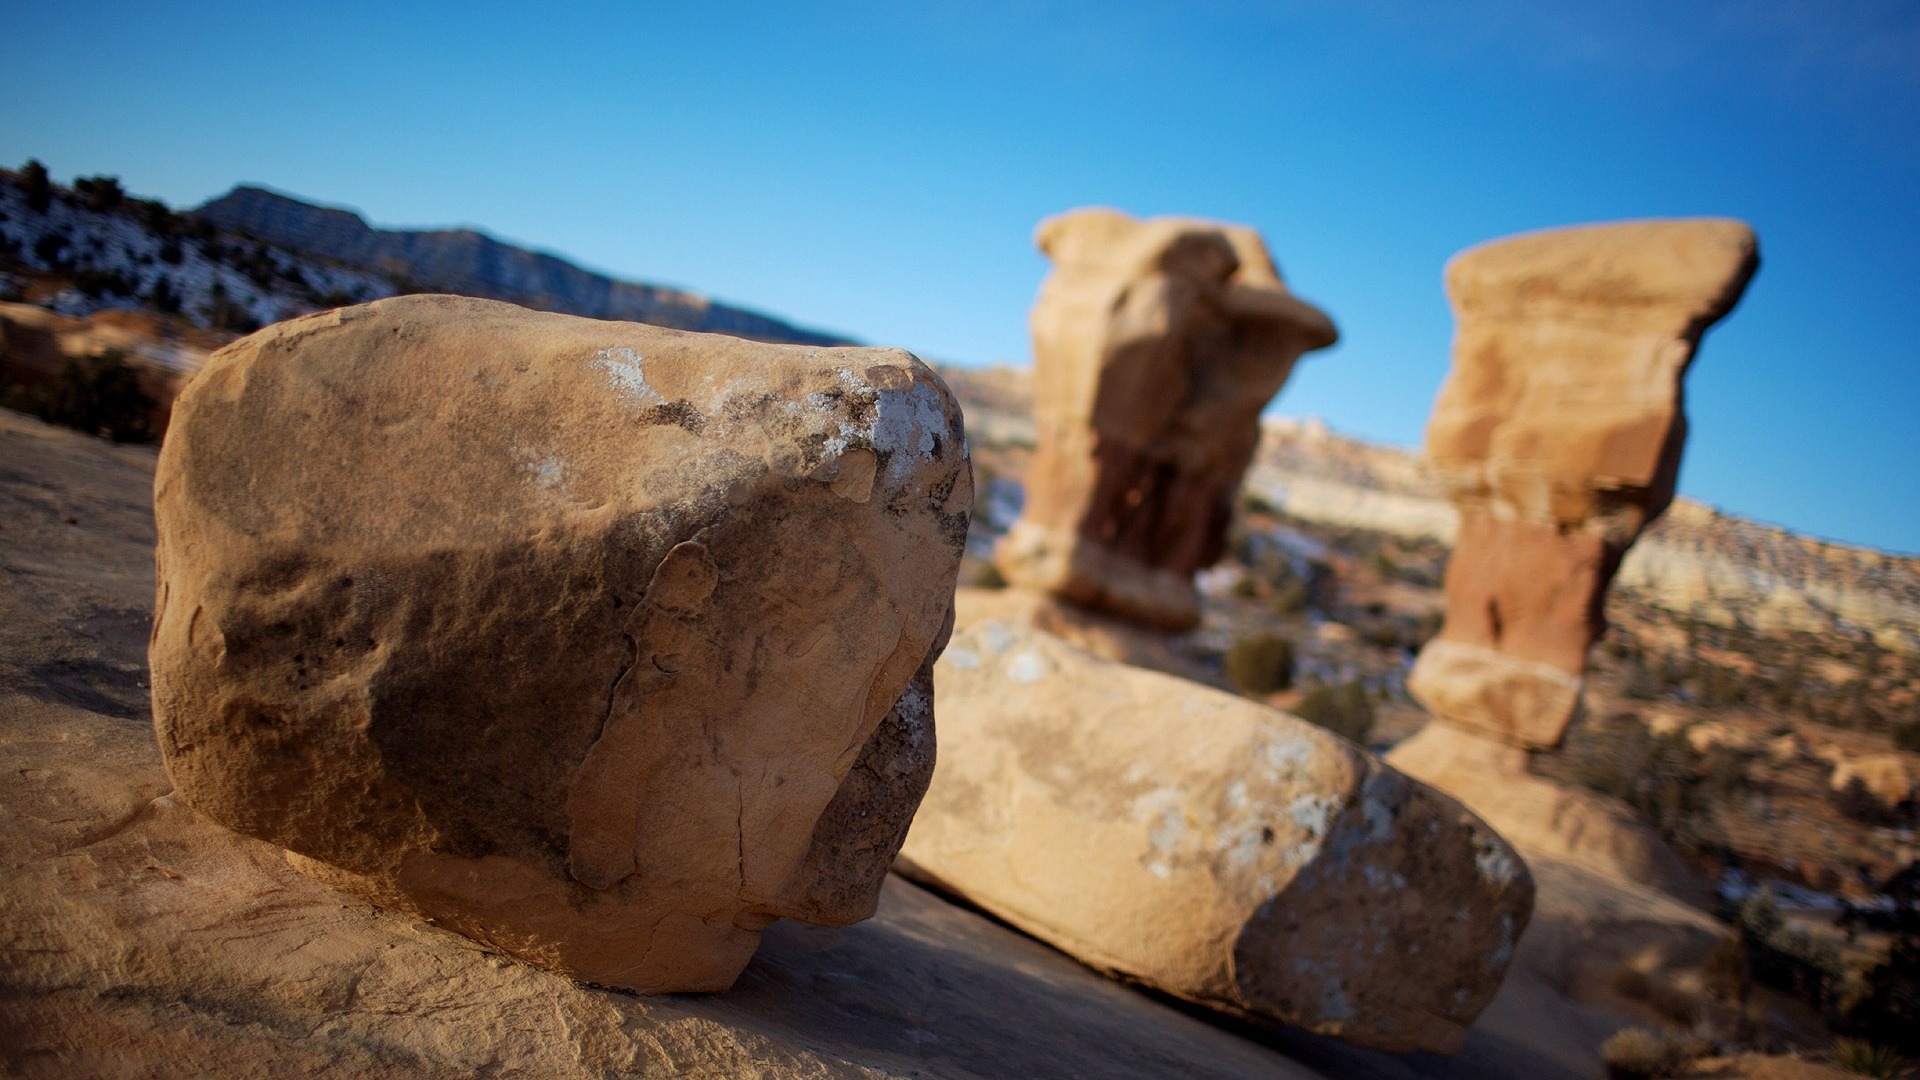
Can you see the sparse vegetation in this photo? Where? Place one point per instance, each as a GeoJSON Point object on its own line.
{"type": "Point", "coordinates": [36, 186]}
{"type": "Point", "coordinates": [1260, 665]}
{"type": "Point", "coordinates": [1344, 709]}
{"type": "Point", "coordinates": [100, 396]}
{"type": "Point", "coordinates": [1634, 1053]}
{"type": "Point", "coordinates": [1868, 1059]}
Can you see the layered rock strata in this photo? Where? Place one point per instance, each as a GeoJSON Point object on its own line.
{"type": "Point", "coordinates": [1156, 344]}
{"type": "Point", "coordinates": [1558, 436]}
{"type": "Point", "coordinates": [1211, 847]}
{"type": "Point", "coordinates": [603, 644]}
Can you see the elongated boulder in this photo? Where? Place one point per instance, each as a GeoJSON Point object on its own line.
{"type": "Point", "coordinates": [600, 643]}
{"type": "Point", "coordinates": [1156, 343]}
{"type": "Point", "coordinates": [1211, 847]}
{"type": "Point", "coordinates": [1558, 436]}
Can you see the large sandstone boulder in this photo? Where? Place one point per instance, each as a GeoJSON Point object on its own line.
{"type": "Point", "coordinates": [1156, 344]}
{"type": "Point", "coordinates": [1558, 436]}
{"type": "Point", "coordinates": [603, 644]}
{"type": "Point", "coordinates": [1211, 847]}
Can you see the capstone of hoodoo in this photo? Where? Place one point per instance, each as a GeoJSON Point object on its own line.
{"type": "Point", "coordinates": [1558, 436]}
{"type": "Point", "coordinates": [600, 643]}
{"type": "Point", "coordinates": [1211, 847]}
{"type": "Point", "coordinates": [1156, 343]}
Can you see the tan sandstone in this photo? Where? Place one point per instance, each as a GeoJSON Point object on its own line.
{"type": "Point", "coordinates": [1211, 847]}
{"type": "Point", "coordinates": [602, 644]}
{"type": "Point", "coordinates": [1890, 779]}
{"type": "Point", "coordinates": [1156, 344]}
{"type": "Point", "coordinates": [1558, 436]}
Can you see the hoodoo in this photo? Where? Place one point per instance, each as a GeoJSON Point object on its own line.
{"type": "Point", "coordinates": [1558, 436]}
{"type": "Point", "coordinates": [1156, 343]}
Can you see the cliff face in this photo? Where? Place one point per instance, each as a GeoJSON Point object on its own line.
{"type": "Point", "coordinates": [473, 264]}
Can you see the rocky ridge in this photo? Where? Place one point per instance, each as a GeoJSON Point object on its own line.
{"type": "Point", "coordinates": [253, 257]}
{"type": "Point", "coordinates": [471, 263]}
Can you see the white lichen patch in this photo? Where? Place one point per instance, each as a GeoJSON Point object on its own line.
{"type": "Point", "coordinates": [1313, 813]}
{"type": "Point", "coordinates": [626, 373]}
{"type": "Point", "coordinates": [996, 637]}
{"type": "Point", "coordinates": [1502, 953]}
{"type": "Point", "coordinates": [1495, 864]}
{"type": "Point", "coordinates": [1160, 810]}
{"type": "Point", "coordinates": [1285, 755]}
{"type": "Point", "coordinates": [906, 425]}
{"type": "Point", "coordinates": [1027, 667]}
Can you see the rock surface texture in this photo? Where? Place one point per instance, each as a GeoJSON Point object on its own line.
{"type": "Point", "coordinates": [1558, 436]}
{"type": "Point", "coordinates": [1156, 344]}
{"type": "Point", "coordinates": [602, 644]}
{"type": "Point", "coordinates": [1212, 848]}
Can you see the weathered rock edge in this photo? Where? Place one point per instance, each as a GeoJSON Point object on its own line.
{"type": "Point", "coordinates": [1211, 847]}
{"type": "Point", "coordinates": [603, 644]}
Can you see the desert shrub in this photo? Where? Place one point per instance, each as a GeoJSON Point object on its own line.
{"type": "Point", "coordinates": [98, 283]}
{"type": "Point", "coordinates": [1888, 1012]}
{"type": "Point", "coordinates": [100, 396]}
{"type": "Point", "coordinates": [1868, 1059]}
{"type": "Point", "coordinates": [162, 297]}
{"type": "Point", "coordinates": [979, 573]}
{"type": "Point", "coordinates": [1290, 596]}
{"type": "Point", "coordinates": [36, 186]}
{"type": "Point", "coordinates": [1907, 736]}
{"type": "Point", "coordinates": [1344, 710]}
{"type": "Point", "coordinates": [1634, 1053]}
{"type": "Point", "coordinates": [1658, 776]}
{"type": "Point", "coordinates": [1717, 687]}
{"type": "Point", "coordinates": [100, 192]}
{"type": "Point", "coordinates": [1764, 951]}
{"type": "Point", "coordinates": [51, 248]}
{"type": "Point", "coordinates": [1260, 664]}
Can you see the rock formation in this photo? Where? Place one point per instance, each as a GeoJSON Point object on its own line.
{"type": "Point", "coordinates": [1156, 344]}
{"type": "Point", "coordinates": [602, 644]}
{"type": "Point", "coordinates": [1558, 436]}
{"type": "Point", "coordinates": [1211, 847]}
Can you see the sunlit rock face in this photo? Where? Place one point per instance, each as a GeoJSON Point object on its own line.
{"type": "Point", "coordinates": [1156, 344]}
{"type": "Point", "coordinates": [1211, 847]}
{"type": "Point", "coordinates": [1558, 435]}
{"type": "Point", "coordinates": [600, 643]}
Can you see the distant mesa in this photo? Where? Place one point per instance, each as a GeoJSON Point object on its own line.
{"type": "Point", "coordinates": [609, 652]}
{"type": "Point", "coordinates": [1558, 436]}
{"type": "Point", "coordinates": [471, 263]}
{"type": "Point", "coordinates": [1156, 344]}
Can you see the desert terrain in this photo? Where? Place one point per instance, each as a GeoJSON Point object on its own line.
{"type": "Point", "coordinates": [1742, 769]}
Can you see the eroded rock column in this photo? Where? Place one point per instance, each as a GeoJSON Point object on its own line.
{"type": "Point", "coordinates": [1156, 344]}
{"type": "Point", "coordinates": [600, 643]}
{"type": "Point", "coordinates": [1558, 434]}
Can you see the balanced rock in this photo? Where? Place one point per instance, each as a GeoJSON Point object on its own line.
{"type": "Point", "coordinates": [603, 644]}
{"type": "Point", "coordinates": [1156, 344]}
{"type": "Point", "coordinates": [1211, 847]}
{"type": "Point", "coordinates": [1558, 436]}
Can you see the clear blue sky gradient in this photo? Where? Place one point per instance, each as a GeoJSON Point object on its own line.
{"type": "Point", "coordinates": [877, 168]}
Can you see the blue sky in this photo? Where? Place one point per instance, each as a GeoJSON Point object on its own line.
{"type": "Point", "coordinates": [877, 168]}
